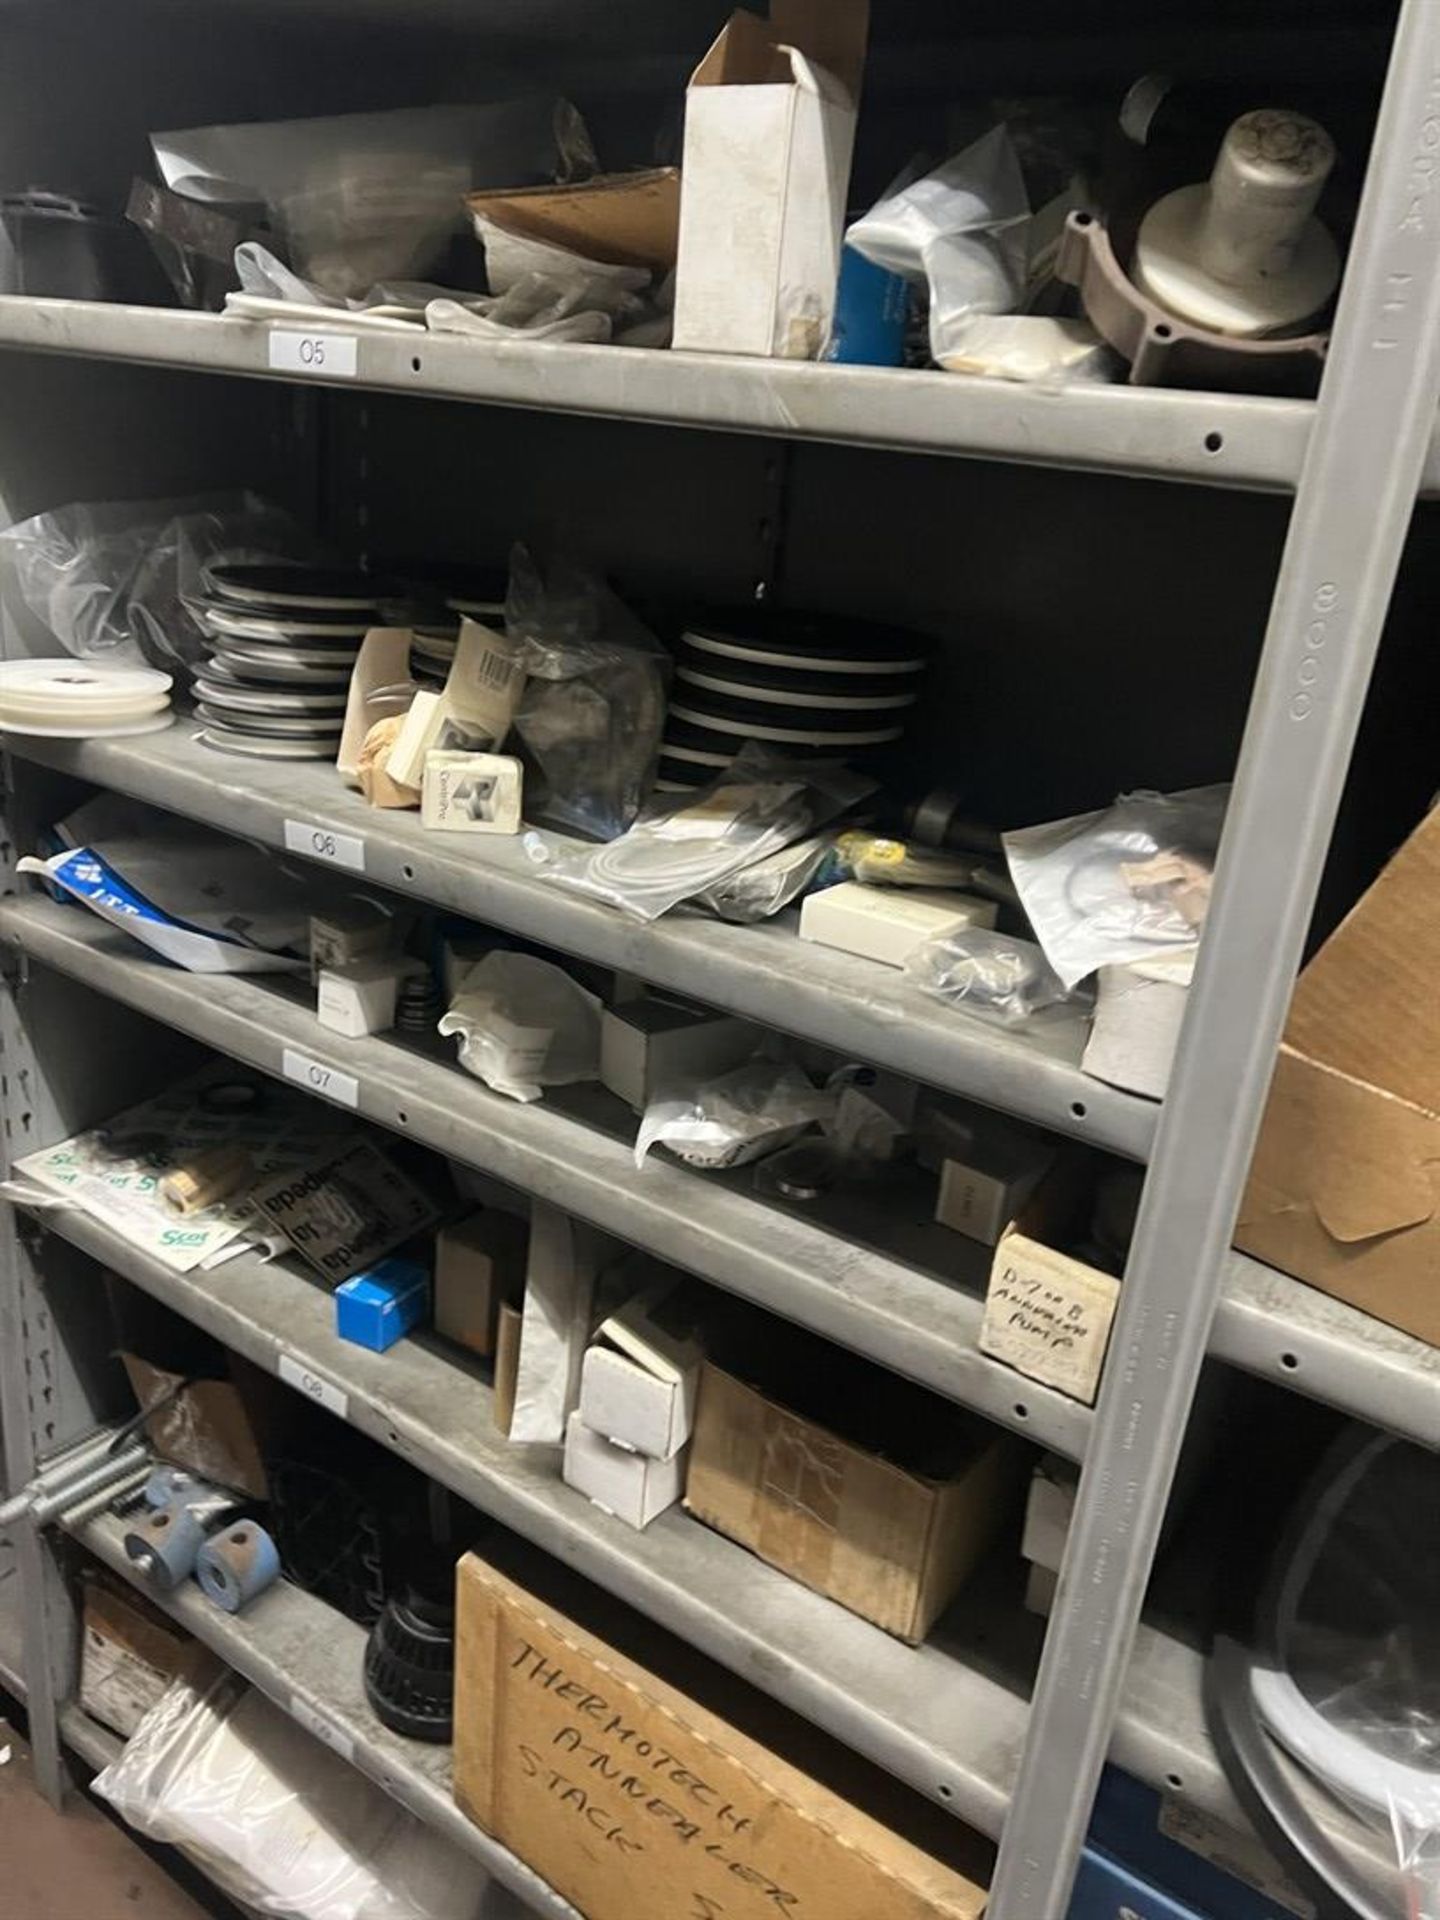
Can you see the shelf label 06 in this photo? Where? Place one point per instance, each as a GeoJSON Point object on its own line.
{"type": "Point", "coordinates": [329, 356]}
{"type": "Point", "coordinates": [314, 1386]}
{"type": "Point", "coordinates": [314, 1075]}
{"type": "Point", "coordinates": [324, 1730]}
{"type": "Point", "coordinates": [319, 843]}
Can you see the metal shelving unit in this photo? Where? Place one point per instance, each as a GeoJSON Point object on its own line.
{"type": "Point", "coordinates": [969, 1718]}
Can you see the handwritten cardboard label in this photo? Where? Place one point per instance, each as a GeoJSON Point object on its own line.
{"type": "Point", "coordinates": [1048, 1316]}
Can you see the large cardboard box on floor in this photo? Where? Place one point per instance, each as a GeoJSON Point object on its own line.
{"type": "Point", "coordinates": [1345, 1185]}
{"type": "Point", "coordinates": [769, 128]}
{"type": "Point", "coordinates": [863, 1486]}
{"type": "Point", "coordinates": [658, 1787]}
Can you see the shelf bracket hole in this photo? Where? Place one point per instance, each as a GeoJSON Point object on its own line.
{"type": "Point", "coordinates": [1290, 1361]}
{"type": "Point", "coordinates": [1214, 442]}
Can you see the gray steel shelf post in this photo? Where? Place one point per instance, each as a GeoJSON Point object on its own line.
{"type": "Point", "coordinates": [1352, 509]}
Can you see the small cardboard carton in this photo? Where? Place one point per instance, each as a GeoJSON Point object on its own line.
{"type": "Point", "coordinates": [639, 1381]}
{"type": "Point", "coordinates": [856, 1483]}
{"type": "Point", "coordinates": [631, 1486]}
{"type": "Point", "coordinates": [1345, 1185]}
{"type": "Point", "coordinates": [644, 1783]}
{"type": "Point", "coordinates": [129, 1654]}
{"type": "Point", "coordinates": [769, 127]}
{"type": "Point", "coordinates": [479, 1263]}
{"type": "Point", "coordinates": [650, 1045]}
{"type": "Point", "coordinates": [622, 219]}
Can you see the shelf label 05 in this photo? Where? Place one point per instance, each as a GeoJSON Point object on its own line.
{"type": "Point", "coordinates": [329, 356]}
{"type": "Point", "coordinates": [314, 1386]}
{"type": "Point", "coordinates": [324, 1730]}
{"type": "Point", "coordinates": [319, 843]}
{"type": "Point", "coordinates": [328, 1082]}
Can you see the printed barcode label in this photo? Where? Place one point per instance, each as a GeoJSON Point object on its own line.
{"type": "Point", "coordinates": [314, 1386]}
{"type": "Point", "coordinates": [319, 843]}
{"type": "Point", "coordinates": [496, 670]}
{"type": "Point", "coordinates": [329, 356]}
{"type": "Point", "coordinates": [328, 1082]}
{"type": "Point", "coordinates": [324, 1730]}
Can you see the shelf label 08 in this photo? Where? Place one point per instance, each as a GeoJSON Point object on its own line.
{"type": "Point", "coordinates": [319, 843]}
{"type": "Point", "coordinates": [314, 1386]}
{"type": "Point", "coordinates": [328, 356]}
{"type": "Point", "coordinates": [325, 1731]}
{"type": "Point", "coordinates": [316, 1077]}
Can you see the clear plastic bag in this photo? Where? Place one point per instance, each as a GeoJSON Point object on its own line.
{"type": "Point", "coordinates": [282, 1824]}
{"type": "Point", "coordinates": [525, 1025]}
{"type": "Point", "coordinates": [688, 847]}
{"type": "Point", "coordinates": [739, 1117]}
{"type": "Point", "coordinates": [961, 232]}
{"type": "Point", "coordinates": [362, 197]}
{"type": "Point", "coordinates": [1354, 1690]}
{"type": "Point", "coordinates": [994, 975]}
{"type": "Point", "coordinates": [593, 709]}
{"type": "Point", "coordinates": [763, 888]}
{"type": "Point", "coordinates": [110, 581]}
{"type": "Point", "coordinates": [1124, 884]}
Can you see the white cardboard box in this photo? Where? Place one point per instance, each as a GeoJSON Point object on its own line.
{"type": "Point", "coordinates": [648, 1045]}
{"type": "Point", "coordinates": [888, 923]}
{"type": "Point", "coordinates": [471, 793]}
{"type": "Point", "coordinates": [770, 118]}
{"type": "Point", "coordinates": [639, 1382]}
{"type": "Point", "coordinates": [359, 997]}
{"type": "Point", "coordinates": [1049, 1506]}
{"type": "Point", "coordinates": [1138, 1011]}
{"type": "Point", "coordinates": [633, 1487]}
{"type": "Point", "coordinates": [985, 1186]}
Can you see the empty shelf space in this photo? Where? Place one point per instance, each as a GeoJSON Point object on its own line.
{"type": "Point", "coordinates": [909, 1319]}
{"type": "Point", "coordinates": [1214, 439]}
{"type": "Point", "coordinates": [863, 1009]}
{"type": "Point", "coordinates": [307, 1658]}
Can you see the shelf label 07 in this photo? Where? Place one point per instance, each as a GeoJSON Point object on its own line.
{"type": "Point", "coordinates": [324, 1730]}
{"type": "Point", "coordinates": [314, 1386]}
{"type": "Point", "coordinates": [319, 843]}
{"type": "Point", "coordinates": [329, 356]}
{"type": "Point", "coordinates": [315, 1076]}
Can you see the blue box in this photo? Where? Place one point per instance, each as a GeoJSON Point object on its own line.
{"type": "Point", "coordinates": [1131, 1865]}
{"type": "Point", "coordinates": [377, 1308]}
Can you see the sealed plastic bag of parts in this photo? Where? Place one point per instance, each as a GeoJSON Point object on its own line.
{"type": "Point", "coordinates": [361, 197]}
{"type": "Point", "coordinates": [593, 710]}
{"type": "Point", "coordinates": [525, 1025]}
{"type": "Point", "coordinates": [1124, 884]}
{"type": "Point", "coordinates": [762, 889]}
{"type": "Point", "coordinates": [280, 1822]}
{"type": "Point", "coordinates": [690, 846]}
{"type": "Point", "coordinates": [739, 1117]}
{"type": "Point", "coordinates": [995, 975]}
{"type": "Point", "coordinates": [110, 581]}
{"type": "Point", "coordinates": [961, 232]}
{"type": "Point", "coordinates": [1348, 1681]}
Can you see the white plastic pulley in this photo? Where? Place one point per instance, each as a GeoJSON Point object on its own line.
{"type": "Point", "coordinates": [1242, 253]}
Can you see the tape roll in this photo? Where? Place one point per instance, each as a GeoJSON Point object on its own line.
{"type": "Point", "coordinates": [166, 1543]}
{"type": "Point", "coordinates": [236, 1564]}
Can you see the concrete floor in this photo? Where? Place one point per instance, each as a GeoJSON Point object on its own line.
{"type": "Point", "coordinates": [78, 1865]}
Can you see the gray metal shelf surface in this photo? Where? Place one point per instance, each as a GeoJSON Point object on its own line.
{"type": "Point", "coordinates": [947, 1717]}
{"type": "Point", "coordinates": [307, 1658]}
{"type": "Point", "coordinates": [1215, 439]}
{"type": "Point", "coordinates": [858, 1006]}
{"type": "Point", "coordinates": [97, 1746]}
{"type": "Point", "coordinates": [909, 1319]}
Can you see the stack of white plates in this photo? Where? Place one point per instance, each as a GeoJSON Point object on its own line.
{"type": "Point", "coordinates": [283, 643]}
{"type": "Point", "coordinates": [803, 686]}
{"type": "Point", "coordinates": [82, 699]}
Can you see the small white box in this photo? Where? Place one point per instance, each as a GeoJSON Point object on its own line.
{"type": "Point", "coordinates": [769, 126]}
{"type": "Point", "coordinates": [1049, 1506]}
{"type": "Point", "coordinates": [360, 998]}
{"type": "Point", "coordinates": [1040, 1586]}
{"type": "Point", "coordinates": [631, 1486]}
{"type": "Point", "coordinates": [888, 923]}
{"type": "Point", "coordinates": [471, 793]}
{"type": "Point", "coordinates": [981, 1194]}
{"type": "Point", "coordinates": [651, 1044]}
{"type": "Point", "coordinates": [344, 934]}
{"type": "Point", "coordinates": [1138, 1013]}
{"type": "Point", "coordinates": [639, 1382]}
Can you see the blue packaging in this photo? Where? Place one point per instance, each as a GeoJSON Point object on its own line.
{"type": "Point", "coordinates": [377, 1308]}
{"type": "Point", "coordinates": [872, 307]}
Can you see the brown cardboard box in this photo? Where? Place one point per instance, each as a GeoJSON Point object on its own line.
{"type": "Point", "coordinates": [860, 1485]}
{"type": "Point", "coordinates": [624, 219]}
{"type": "Point", "coordinates": [1345, 1185]}
{"type": "Point", "coordinates": [129, 1654]}
{"type": "Point", "coordinates": [618, 1780]}
{"type": "Point", "coordinates": [208, 1427]}
{"type": "Point", "coordinates": [479, 1263]}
